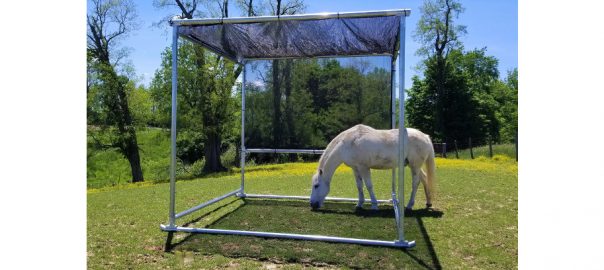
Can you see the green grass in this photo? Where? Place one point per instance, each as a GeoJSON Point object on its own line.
{"type": "Point", "coordinates": [474, 224]}
{"type": "Point", "coordinates": [507, 150]}
{"type": "Point", "coordinates": [110, 168]}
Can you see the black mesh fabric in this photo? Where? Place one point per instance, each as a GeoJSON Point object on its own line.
{"type": "Point", "coordinates": [298, 39]}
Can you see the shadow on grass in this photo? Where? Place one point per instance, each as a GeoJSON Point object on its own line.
{"type": "Point", "coordinates": [335, 219]}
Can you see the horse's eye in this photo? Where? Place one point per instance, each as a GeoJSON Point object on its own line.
{"type": "Point", "coordinates": [316, 186]}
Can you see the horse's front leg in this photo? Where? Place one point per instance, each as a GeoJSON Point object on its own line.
{"type": "Point", "coordinates": [415, 184]}
{"type": "Point", "coordinates": [359, 180]}
{"type": "Point", "coordinates": [366, 175]}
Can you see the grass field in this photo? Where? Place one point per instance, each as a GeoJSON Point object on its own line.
{"type": "Point", "coordinates": [473, 225]}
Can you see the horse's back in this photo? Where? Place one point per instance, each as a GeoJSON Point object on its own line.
{"type": "Point", "coordinates": [363, 145]}
{"type": "Point", "coordinates": [373, 148]}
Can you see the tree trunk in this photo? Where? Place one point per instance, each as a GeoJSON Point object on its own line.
{"type": "Point", "coordinates": [440, 97]}
{"type": "Point", "coordinates": [289, 118]}
{"type": "Point", "coordinates": [133, 157]}
{"type": "Point", "coordinates": [277, 129]}
{"type": "Point", "coordinates": [212, 154]}
{"type": "Point", "coordinates": [128, 143]}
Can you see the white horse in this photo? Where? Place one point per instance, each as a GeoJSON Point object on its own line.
{"type": "Point", "coordinates": [363, 148]}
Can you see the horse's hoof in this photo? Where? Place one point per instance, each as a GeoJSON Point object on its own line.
{"type": "Point", "coordinates": [374, 207]}
{"type": "Point", "coordinates": [408, 210]}
{"type": "Point", "coordinates": [428, 205]}
{"type": "Point", "coordinates": [358, 208]}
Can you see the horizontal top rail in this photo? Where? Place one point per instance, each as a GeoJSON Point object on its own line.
{"type": "Point", "coordinates": [298, 17]}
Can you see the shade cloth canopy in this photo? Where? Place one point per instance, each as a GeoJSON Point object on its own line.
{"type": "Point", "coordinates": [272, 37]}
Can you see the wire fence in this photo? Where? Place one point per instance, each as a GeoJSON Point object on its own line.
{"type": "Point", "coordinates": [467, 150]}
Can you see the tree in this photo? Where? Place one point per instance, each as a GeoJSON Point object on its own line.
{"type": "Point", "coordinates": [213, 94]}
{"type": "Point", "coordinates": [481, 75]}
{"type": "Point", "coordinates": [438, 35]}
{"type": "Point", "coordinates": [459, 112]}
{"type": "Point", "coordinates": [108, 22]}
{"type": "Point", "coordinates": [506, 94]}
{"type": "Point", "coordinates": [278, 8]}
{"type": "Point", "coordinates": [478, 104]}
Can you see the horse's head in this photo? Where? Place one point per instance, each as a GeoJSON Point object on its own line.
{"type": "Point", "coordinates": [319, 190]}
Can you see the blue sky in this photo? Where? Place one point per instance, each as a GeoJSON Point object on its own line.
{"type": "Point", "coordinates": [490, 23]}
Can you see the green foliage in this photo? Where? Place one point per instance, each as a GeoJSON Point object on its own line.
{"type": "Point", "coordinates": [459, 95]}
{"type": "Point", "coordinates": [436, 29]}
{"type": "Point", "coordinates": [481, 76]}
{"type": "Point", "coordinates": [507, 95]}
{"type": "Point", "coordinates": [108, 167]}
{"type": "Point", "coordinates": [325, 99]}
{"type": "Point", "coordinates": [454, 106]}
{"type": "Point", "coordinates": [207, 106]}
{"type": "Point", "coordinates": [189, 146]}
{"type": "Point", "coordinates": [140, 105]}
{"type": "Point", "coordinates": [229, 157]}
{"type": "Point", "coordinates": [475, 103]}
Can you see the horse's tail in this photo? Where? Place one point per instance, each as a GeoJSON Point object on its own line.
{"type": "Point", "coordinates": [431, 173]}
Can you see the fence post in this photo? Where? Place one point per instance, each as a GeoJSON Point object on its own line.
{"type": "Point", "coordinates": [445, 150]}
{"type": "Point", "coordinates": [471, 151]}
{"type": "Point", "coordinates": [456, 154]}
{"type": "Point", "coordinates": [490, 148]}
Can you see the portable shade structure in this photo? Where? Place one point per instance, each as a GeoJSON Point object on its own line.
{"type": "Point", "coordinates": [242, 39]}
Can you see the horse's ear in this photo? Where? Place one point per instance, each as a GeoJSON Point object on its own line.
{"type": "Point", "coordinates": [320, 171]}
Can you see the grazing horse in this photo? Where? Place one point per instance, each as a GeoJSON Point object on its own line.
{"type": "Point", "coordinates": [363, 148]}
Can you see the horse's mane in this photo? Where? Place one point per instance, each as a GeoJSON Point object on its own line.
{"type": "Point", "coordinates": [330, 147]}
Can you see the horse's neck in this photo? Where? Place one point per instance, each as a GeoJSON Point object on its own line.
{"type": "Point", "coordinates": [331, 163]}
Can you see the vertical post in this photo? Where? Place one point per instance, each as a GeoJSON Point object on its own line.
{"type": "Point", "coordinates": [173, 124]}
{"type": "Point", "coordinates": [471, 152]}
{"type": "Point", "coordinates": [242, 164]}
{"type": "Point", "coordinates": [393, 113]}
{"type": "Point", "coordinates": [456, 153]}
{"type": "Point", "coordinates": [402, 132]}
{"type": "Point", "coordinates": [490, 147]}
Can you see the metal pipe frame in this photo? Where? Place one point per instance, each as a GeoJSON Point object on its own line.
{"type": "Point", "coordinates": [401, 130]}
{"type": "Point", "coordinates": [308, 237]}
{"type": "Point", "coordinates": [173, 125]}
{"type": "Point", "coordinates": [285, 151]}
{"type": "Point", "coordinates": [393, 126]}
{"type": "Point", "coordinates": [293, 197]}
{"type": "Point", "coordinates": [317, 57]}
{"type": "Point", "coordinates": [396, 201]}
{"type": "Point", "coordinates": [299, 17]}
{"type": "Point", "coordinates": [202, 205]}
{"type": "Point", "coordinates": [243, 150]}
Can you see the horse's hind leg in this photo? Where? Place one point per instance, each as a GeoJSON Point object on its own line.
{"type": "Point", "coordinates": [359, 180]}
{"type": "Point", "coordinates": [424, 179]}
{"type": "Point", "coordinates": [366, 175]}
{"type": "Point", "coordinates": [415, 176]}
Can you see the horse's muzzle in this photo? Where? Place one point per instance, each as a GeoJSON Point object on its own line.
{"type": "Point", "coordinates": [315, 205]}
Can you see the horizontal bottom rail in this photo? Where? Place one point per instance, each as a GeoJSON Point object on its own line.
{"type": "Point", "coordinates": [400, 244]}
{"type": "Point", "coordinates": [284, 151]}
{"type": "Point", "coordinates": [212, 201]}
{"type": "Point", "coordinates": [336, 199]}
